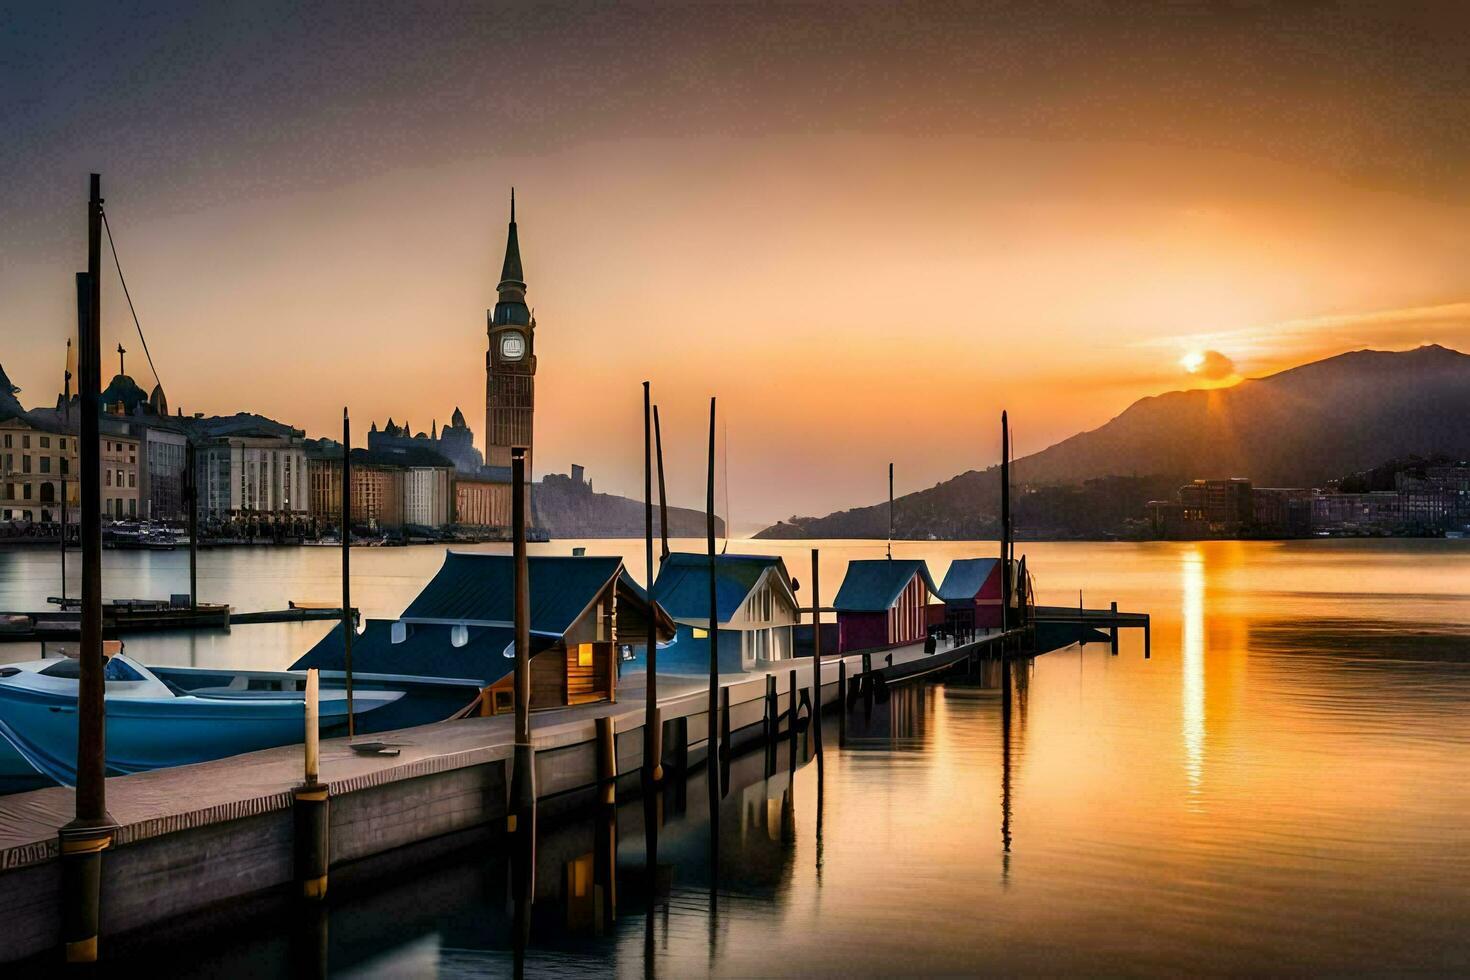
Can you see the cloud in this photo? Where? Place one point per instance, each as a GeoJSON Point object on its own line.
{"type": "Point", "coordinates": [1213, 366]}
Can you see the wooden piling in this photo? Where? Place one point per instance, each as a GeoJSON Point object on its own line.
{"type": "Point", "coordinates": [792, 706]}
{"type": "Point", "coordinates": [348, 626]}
{"type": "Point", "coordinates": [191, 493]}
{"type": "Point", "coordinates": [83, 840]}
{"type": "Point", "coordinates": [607, 760]}
{"type": "Point", "coordinates": [773, 710]}
{"type": "Point", "coordinates": [522, 816]}
{"type": "Point", "coordinates": [817, 656]}
{"type": "Point", "coordinates": [652, 765]}
{"type": "Point", "coordinates": [311, 804]}
{"type": "Point", "coordinates": [1005, 522]}
{"type": "Point", "coordinates": [841, 702]}
{"type": "Point", "coordinates": [1113, 629]}
{"type": "Point", "coordinates": [713, 633]}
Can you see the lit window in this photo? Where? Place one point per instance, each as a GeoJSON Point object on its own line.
{"type": "Point", "coordinates": [699, 634]}
{"type": "Point", "coordinates": [584, 655]}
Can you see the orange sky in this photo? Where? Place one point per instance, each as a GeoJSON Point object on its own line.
{"type": "Point", "coordinates": [852, 292]}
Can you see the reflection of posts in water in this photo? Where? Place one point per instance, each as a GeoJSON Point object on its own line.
{"type": "Point", "coordinates": [1005, 771]}
{"type": "Point", "coordinates": [772, 724]}
{"type": "Point", "coordinates": [309, 940]}
{"type": "Point", "coordinates": [821, 785]}
{"type": "Point", "coordinates": [652, 819]}
{"type": "Point", "coordinates": [817, 656]}
{"type": "Point", "coordinates": [522, 881]}
{"type": "Point", "coordinates": [1113, 630]}
{"type": "Point", "coordinates": [604, 868]}
{"type": "Point", "coordinates": [841, 703]}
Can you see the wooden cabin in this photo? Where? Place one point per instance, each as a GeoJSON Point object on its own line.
{"type": "Point", "coordinates": [883, 602]}
{"type": "Point", "coordinates": [755, 602]}
{"type": "Point", "coordinates": [971, 596]}
{"type": "Point", "coordinates": [587, 614]}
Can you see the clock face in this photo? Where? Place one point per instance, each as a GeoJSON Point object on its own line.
{"type": "Point", "coordinates": [512, 346]}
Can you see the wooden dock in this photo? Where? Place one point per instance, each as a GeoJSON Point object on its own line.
{"type": "Point", "coordinates": [120, 620]}
{"type": "Point", "coordinates": [209, 833]}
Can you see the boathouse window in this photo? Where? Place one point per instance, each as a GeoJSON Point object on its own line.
{"type": "Point", "coordinates": [399, 632]}
{"type": "Point", "coordinates": [698, 633]}
{"type": "Point", "coordinates": [459, 635]}
{"type": "Point", "coordinates": [584, 655]}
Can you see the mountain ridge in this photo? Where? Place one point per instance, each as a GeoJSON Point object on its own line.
{"type": "Point", "coordinates": [1300, 426]}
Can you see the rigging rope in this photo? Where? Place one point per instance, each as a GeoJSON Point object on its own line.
{"type": "Point", "coordinates": [123, 279]}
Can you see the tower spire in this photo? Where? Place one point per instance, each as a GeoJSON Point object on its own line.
{"type": "Point", "coordinates": [512, 279]}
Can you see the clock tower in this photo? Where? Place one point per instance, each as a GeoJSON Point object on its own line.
{"type": "Point", "coordinates": [510, 364]}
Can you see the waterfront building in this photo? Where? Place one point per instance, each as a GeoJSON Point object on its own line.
{"type": "Point", "coordinates": [971, 595]}
{"type": "Point", "coordinates": [1282, 510]}
{"type": "Point", "coordinates": [34, 456]}
{"type": "Point", "coordinates": [585, 614]}
{"type": "Point", "coordinates": [1375, 511]}
{"type": "Point", "coordinates": [510, 363]}
{"type": "Point", "coordinates": [1221, 505]}
{"type": "Point", "coordinates": [253, 475]}
{"type": "Point", "coordinates": [426, 496]}
{"type": "Point", "coordinates": [755, 603]}
{"type": "Point", "coordinates": [484, 501]}
{"type": "Point", "coordinates": [882, 602]}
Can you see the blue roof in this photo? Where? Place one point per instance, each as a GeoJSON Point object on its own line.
{"type": "Point", "coordinates": [471, 587]}
{"type": "Point", "coordinates": [874, 584]}
{"type": "Point", "coordinates": [965, 578]}
{"type": "Point", "coordinates": [682, 588]}
{"type": "Point", "coordinates": [426, 651]}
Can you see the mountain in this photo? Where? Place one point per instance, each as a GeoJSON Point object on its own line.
{"type": "Point", "coordinates": [1301, 427]}
{"type": "Point", "coordinates": [567, 507]}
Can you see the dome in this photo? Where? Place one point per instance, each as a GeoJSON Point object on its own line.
{"type": "Point", "coordinates": [123, 389]}
{"type": "Point", "coordinates": [157, 402]}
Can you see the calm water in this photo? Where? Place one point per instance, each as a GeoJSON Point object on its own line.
{"type": "Point", "coordinates": [1284, 786]}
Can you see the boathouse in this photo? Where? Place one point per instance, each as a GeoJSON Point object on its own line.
{"type": "Point", "coordinates": [971, 595]}
{"type": "Point", "coordinates": [586, 614]}
{"type": "Point", "coordinates": [882, 602]}
{"type": "Point", "coordinates": [755, 603]}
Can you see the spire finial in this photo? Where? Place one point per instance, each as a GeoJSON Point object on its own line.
{"type": "Point", "coordinates": [512, 205]}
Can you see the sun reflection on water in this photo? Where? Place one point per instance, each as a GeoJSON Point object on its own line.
{"type": "Point", "coordinates": [1192, 646]}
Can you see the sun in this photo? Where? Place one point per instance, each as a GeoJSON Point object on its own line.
{"type": "Point", "coordinates": [1192, 361]}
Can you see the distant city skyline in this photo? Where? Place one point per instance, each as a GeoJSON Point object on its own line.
{"type": "Point", "coordinates": [866, 242]}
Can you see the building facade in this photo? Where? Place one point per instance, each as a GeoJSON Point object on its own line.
{"type": "Point", "coordinates": [260, 478]}
{"type": "Point", "coordinates": [510, 364]}
{"type": "Point", "coordinates": [483, 502]}
{"type": "Point", "coordinates": [426, 496]}
{"type": "Point", "coordinates": [33, 462]}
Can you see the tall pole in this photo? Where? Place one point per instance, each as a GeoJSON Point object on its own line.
{"type": "Point", "coordinates": [890, 510]}
{"type": "Point", "coordinates": [651, 727]}
{"type": "Point", "coordinates": [663, 500]}
{"type": "Point", "coordinates": [713, 745]}
{"type": "Point", "coordinates": [348, 627]}
{"type": "Point", "coordinates": [523, 776]}
{"type": "Point", "coordinates": [83, 840]}
{"type": "Point", "coordinates": [1005, 522]}
{"type": "Point", "coordinates": [65, 434]}
{"type": "Point", "coordinates": [191, 494]}
{"type": "Point", "coordinates": [816, 658]}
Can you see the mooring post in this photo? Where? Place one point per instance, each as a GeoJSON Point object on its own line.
{"type": "Point", "coordinates": [607, 760]}
{"type": "Point", "coordinates": [817, 656]}
{"type": "Point", "coordinates": [1113, 629]}
{"type": "Point", "coordinates": [652, 751]}
{"type": "Point", "coordinates": [724, 723]}
{"type": "Point", "coordinates": [83, 840]}
{"type": "Point", "coordinates": [773, 711]}
{"type": "Point", "coordinates": [791, 707]}
{"type": "Point", "coordinates": [312, 806]}
{"type": "Point", "coordinates": [348, 627]}
{"type": "Point", "coordinates": [191, 493]}
{"type": "Point", "coordinates": [712, 746]}
{"type": "Point", "coordinates": [522, 817]}
{"type": "Point", "coordinates": [663, 504]}
{"type": "Point", "coordinates": [1147, 636]}
{"type": "Point", "coordinates": [841, 701]}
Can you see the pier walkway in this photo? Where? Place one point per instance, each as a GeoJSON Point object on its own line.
{"type": "Point", "coordinates": [201, 834]}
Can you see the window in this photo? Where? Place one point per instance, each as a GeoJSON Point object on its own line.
{"type": "Point", "coordinates": [107, 477]}
{"type": "Point", "coordinates": [25, 464]}
{"type": "Point", "coordinates": [132, 478]}
{"type": "Point", "coordinates": [65, 466]}
{"type": "Point", "coordinates": [25, 442]}
{"type": "Point", "coordinates": [132, 506]}
{"type": "Point", "coordinates": [7, 440]}
{"type": "Point", "coordinates": [584, 655]}
{"type": "Point", "coordinates": [698, 633]}
{"type": "Point", "coordinates": [119, 479]}
{"type": "Point", "coordinates": [26, 494]}
{"type": "Point", "coordinates": [45, 464]}
{"type": "Point", "coordinates": [45, 442]}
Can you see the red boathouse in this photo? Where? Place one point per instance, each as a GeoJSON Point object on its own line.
{"type": "Point", "coordinates": [882, 602]}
